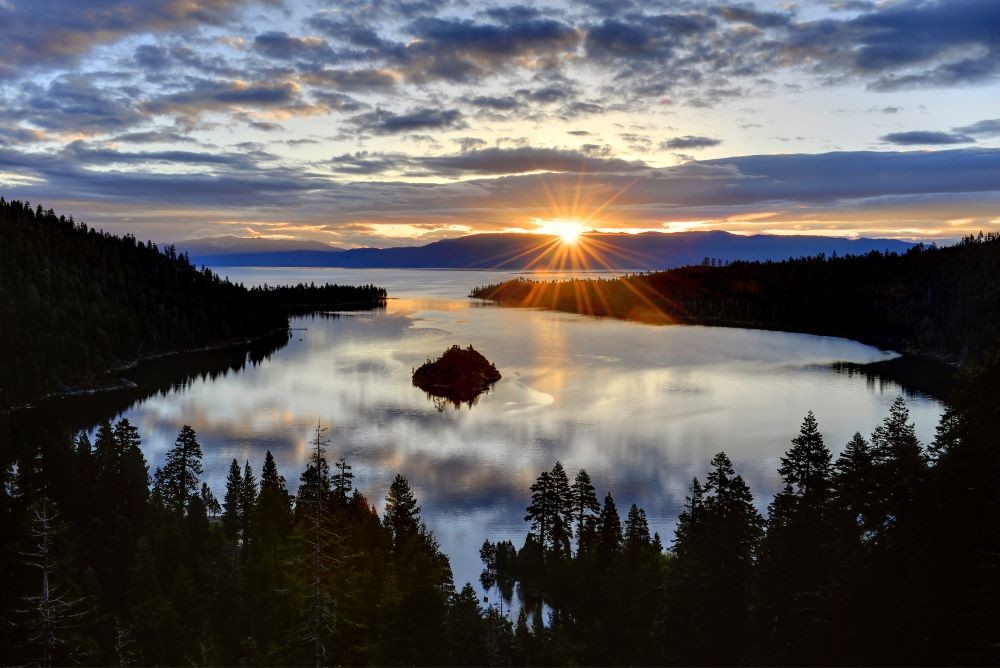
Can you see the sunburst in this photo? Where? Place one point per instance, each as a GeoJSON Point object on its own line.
{"type": "Point", "coordinates": [567, 244]}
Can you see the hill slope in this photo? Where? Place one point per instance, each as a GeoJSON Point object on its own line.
{"type": "Point", "coordinates": [76, 303]}
{"type": "Point", "coordinates": [646, 251]}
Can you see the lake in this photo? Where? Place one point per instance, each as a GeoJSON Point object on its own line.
{"type": "Point", "coordinates": [643, 408]}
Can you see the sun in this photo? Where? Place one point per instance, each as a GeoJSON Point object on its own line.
{"type": "Point", "coordinates": [568, 230]}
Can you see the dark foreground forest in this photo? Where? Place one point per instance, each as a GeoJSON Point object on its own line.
{"type": "Point", "coordinates": [940, 302]}
{"type": "Point", "coordinates": [77, 303]}
{"type": "Point", "coordinates": [888, 554]}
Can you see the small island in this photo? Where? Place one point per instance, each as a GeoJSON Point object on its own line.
{"type": "Point", "coordinates": [459, 376]}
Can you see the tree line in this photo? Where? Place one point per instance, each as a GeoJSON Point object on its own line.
{"type": "Point", "coordinates": [77, 303]}
{"type": "Point", "coordinates": [942, 302]}
{"type": "Point", "coordinates": [886, 554]}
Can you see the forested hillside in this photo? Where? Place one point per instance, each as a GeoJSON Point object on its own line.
{"type": "Point", "coordinates": [76, 303]}
{"type": "Point", "coordinates": [939, 301]}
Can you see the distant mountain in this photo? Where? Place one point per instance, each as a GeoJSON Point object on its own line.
{"type": "Point", "coordinates": [646, 251]}
{"type": "Point", "coordinates": [234, 245]}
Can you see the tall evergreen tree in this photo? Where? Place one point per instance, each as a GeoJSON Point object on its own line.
{"type": "Point", "coordinates": [900, 467]}
{"type": "Point", "coordinates": [248, 501]}
{"type": "Point", "coordinates": [401, 510]}
{"type": "Point", "coordinates": [609, 536]}
{"type": "Point", "coordinates": [231, 517]}
{"type": "Point", "coordinates": [854, 486]}
{"type": "Point", "coordinates": [181, 469]}
{"type": "Point", "coordinates": [585, 507]}
{"type": "Point", "coordinates": [273, 509]}
{"type": "Point", "coordinates": [636, 530]}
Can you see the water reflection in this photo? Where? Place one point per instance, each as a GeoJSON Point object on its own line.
{"type": "Point", "coordinates": [643, 408]}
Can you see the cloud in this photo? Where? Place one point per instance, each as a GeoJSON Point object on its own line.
{"type": "Point", "coordinates": [282, 46]}
{"type": "Point", "coordinates": [462, 49]}
{"type": "Point", "coordinates": [489, 161]}
{"type": "Point", "coordinates": [506, 103]}
{"type": "Point", "coordinates": [74, 104]}
{"type": "Point", "coordinates": [855, 190]}
{"type": "Point", "coordinates": [154, 137]}
{"type": "Point", "coordinates": [385, 122]}
{"type": "Point", "coordinates": [688, 142]}
{"type": "Point", "coordinates": [352, 80]}
{"type": "Point", "coordinates": [926, 138]}
{"type": "Point", "coordinates": [206, 96]}
{"type": "Point", "coordinates": [57, 33]}
{"type": "Point", "coordinates": [985, 128]}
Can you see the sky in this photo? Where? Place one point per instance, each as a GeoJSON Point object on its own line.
{"type": "Point", "coordinates": [396, 122]}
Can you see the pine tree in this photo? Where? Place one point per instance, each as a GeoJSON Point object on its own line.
{"type": "Point", "coordinates": [273, 510]}
{"type": "Point", "coordinates": [231, 519]}
{"type": "Point", "coordinates": [609, 537]}
{"type": "Point", "coordinates": [248, 501]}
{"type": "Point", "coordinates": [805, 467]}
{"type": "Point", "coordinates": [211, 504]}
{"type": "Point", "coordinates": [854, 486]}
{"type": "Point", "coordinates": [713, 571]}
{"type": "Point", "coordinates": [551, 511]}
{"type": "Point", "coordinates": [181, 469]}
{"type": "Point", "coordinates": [343, 480]}
{"type": "Point", "coordinates": [401, 510]}
{"type": "Point", "coordinates": [947, 437]}
{"type": "Point", "coordinates": [900, 466]}
{"type": "Point", "coordinates": [585, 507]}
{"type": "Point", "coordinates": [319, 539]}
{"type": "Point", "coordinates": [562, 515]}
{"type": "Point", "coordinates": [637, 537]}
{"type": "Point", "coordinates": [540, 510]}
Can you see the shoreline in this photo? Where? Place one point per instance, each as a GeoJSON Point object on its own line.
{"type": "Point", "coordinates": [107, 384]}
{"type": "Point", "coordinates": [946, 367]}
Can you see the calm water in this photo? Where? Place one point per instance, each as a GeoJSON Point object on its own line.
{"type": "Point", "coordinates": [642, 408]}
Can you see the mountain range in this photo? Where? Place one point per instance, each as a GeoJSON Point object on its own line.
{"type": "Point", "coordinates": [593, 251]}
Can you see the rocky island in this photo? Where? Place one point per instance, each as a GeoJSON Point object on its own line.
{"type": "Point", "coordinates": [460, 375]}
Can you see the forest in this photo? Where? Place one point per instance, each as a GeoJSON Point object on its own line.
{"type": "Point", "coordinates": [888, 554]}
{"type": "Point", "coordinates": [77, 304]}
{"type": "Point", "coordinates": [939, 302]}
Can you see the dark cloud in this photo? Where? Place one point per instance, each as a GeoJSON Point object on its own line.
{"type": "Point", "coordinates": [384, 122]}
{"type": "Point", "coordinates": [21, 135]}
{"type": "Point", "coordinates": [154, 137]}
{"type": "Point", "coordinates": [83, 153]}
{"type": "Point", "coordinates": [747, 13]}
{"type": "Point", "coordinates": [925, 138]}
{"type": "Point", "coordinates": [469, 143]}
{"type": "Point", "coordinates": [985, 128]}
{"type": "Point", "coordinates": [207, 96]}
{"type": "Point", "coordinates": [526, 159]}
{"type": "Point", "coordinates": [282, 46]}
{"type": "Point", "coordinates": [688, 142]}
{"type": "Point", "coordinates": [849, 5]}
{"type": "Point", "coordinates": [507, 103]}
{"type": "Point", "coordinates": [592, 159]}
{"type": "Point", "coordinates": [909, 44]}
{"type": "Point", "coordinates": [461, 50]}
{"type": "Point", "coordinates": [352, 80]}
{"type": "Point", "coordinates": [74, 104]}
{"type": "Point", "coordinates": [546, 95]}
{"type": "Point", "coordinates": [338, 102]}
